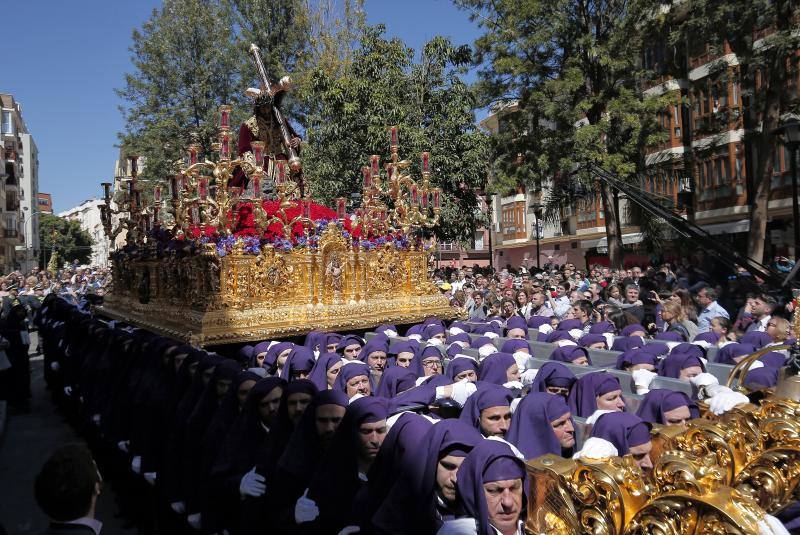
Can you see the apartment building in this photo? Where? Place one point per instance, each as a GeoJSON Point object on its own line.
{"type": "Point", "coordinates": [704, 152]}
{"type": "Point", "coordinates": [700, 170]}
{"type": "Point", "coordinates": [45, 203]}
{"type": "Point", "coordinates": [20, 168]}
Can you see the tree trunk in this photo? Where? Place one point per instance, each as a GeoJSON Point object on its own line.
{"type": "Point", "coordinates": [764, 144]}
{"type": "Point", "coordinates": [613, 230]}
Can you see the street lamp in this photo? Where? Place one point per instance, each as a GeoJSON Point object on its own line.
{"type": "Point", "coordinates": [536, 208]}
{"type": "Point", "coordinates": [789, 135]}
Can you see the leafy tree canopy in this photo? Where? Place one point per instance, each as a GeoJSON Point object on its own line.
{"type": "Point", "coordinates": [72, 242]}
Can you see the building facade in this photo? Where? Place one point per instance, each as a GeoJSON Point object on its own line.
{"type": "Point", "coordinates": [19, 170]}
{"type": "Point", "coordinates": [45, 203]}
{"type": "Point", "coordinates": [699, 170]}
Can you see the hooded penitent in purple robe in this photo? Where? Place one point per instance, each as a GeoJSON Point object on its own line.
{"type": "Point", "coordinates": [570, 354]}
{"type": "Point", "coordinates": [350, 370]}
{"type": "Point", "coordinates": [589, 339]}
{"type": "Point", "coordinates": [460, 365]}
{"type": "Point", "coordinates": [673, 363]}
{"type": "Point", "coordinates": [583, 396]}
{"type": "Point", "coordinates": [271, 359]}
{"type": "Point", "coordinates": [488, 395]}
{"type": "Point", "coordinates": [512, 346]}
{"type": "Point", "coordinates": [553, 374]}
{"type": "Point", "coordinates": [417, 489]}
{"type": "Point", "coordinates": [626, 343]}
{"type": "Point", "coordinates": [300, 360]}
{"type": "Point", "coordinates": [319, 373]}
{"type": "Point", "coordinates": [632, 357]}
{"type": "Point", "coordinates": [660, 400]}
{"type": "Point", "coordinates": [624, 430]}
{"type": "Point", "coordinates": [757, 339]}
{"type": "Point", "coordinates": [530, 429]}
{"type": "Point", "coordinates": [489, 460]}
{"type": "Point", "coordinates": [396, 380]}
{"type": "Point", "coordinates": [727, 353]}
{"type": "Point", "coordinates": [336, 481]}
{"type": "Point", "coordinates": [494, 368]}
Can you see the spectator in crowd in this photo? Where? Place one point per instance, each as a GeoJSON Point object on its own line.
{"type": "Point", "coordinates": [709, 308]}
{"type": "Point", "coordinates": [762, 308]}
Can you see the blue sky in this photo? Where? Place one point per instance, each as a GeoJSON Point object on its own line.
{"type": "Point", "coordinates": [66, 57]}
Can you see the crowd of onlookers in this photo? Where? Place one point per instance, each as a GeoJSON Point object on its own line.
{"type": "Point", "coordinates": [679, 297]}
{"type": "Point", "coordinates": [21, 297]}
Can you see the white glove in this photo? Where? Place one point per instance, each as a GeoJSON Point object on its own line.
{"type": "Point", "coordinates": [305, 510]}
{"type": "Point", "coordinates": [545, 328]}
{"type": "Point", "coordinates": [150, 477]}
{"type": "Point", "coordinates": [391, 334]}
{"type": "Point", "coordinates": [435, 342]}
{"type": "Point", "coordinates": [252, 484]}
{"type": "Point", "coordinates": [591, 420]}
{"type": "Point", "coordinates": [486, 350]}
{"type": "Point", "coordinates": [96, 419]}
{"type": "Point", "coordinates": [642, 380]}
{"type": "Point", "coordinates": [459, 526]}
{"type": "Point", "coordinates": [194, 521]}
{"type": "Point", "coordinates": [596, 448]}
{"type": "Point", "coordinates": [514, 404]}
{"type": "Point", "coordinates": [565, 343]}
{"type": "Point", "coordinates": [349, 529]}
{"type": "Point", "coordinates": [55, 366]}
{"type": "Point", "coordinates": [521, 358]}
{"type": "Point", "coordinates": [462, 390]}
{"type": "Point", "coordinates": [514, 384]}
{"type": "Point", "coordinates": [136, 464]}
{"type": "Point", "coordinates": [122, 445]}
{"type": "Point", "coordinates": [725, 400]}
{"type": "Point", "coordinates": [527, 377]}
{"type": "Point", "coordinates": [178, 507]}
{"type": "Point", "coordinates": [706, 383]}
{"type": "Point", "coordinates": [771, 526]}
{"type": "Point", "coordinates": [68, 391]}
{"type": "Point", "coordinates": [576, 334]}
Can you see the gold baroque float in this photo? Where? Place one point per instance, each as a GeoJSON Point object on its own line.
{"type": "Point", "coordinates": [720, 475]}
{"type": "Point", "coordinates": [209, 300]}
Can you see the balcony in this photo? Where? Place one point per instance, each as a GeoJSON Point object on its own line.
{"type": "Point", "coordinates": [11, 233]}
{"type": "Point", "coordinates": [12, 205]}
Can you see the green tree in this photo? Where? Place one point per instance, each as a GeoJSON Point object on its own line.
{"type": "Point", "coordinates": [190, 57]}
{"type": "Point", "coordinates": [570, 69]}
{"type": "Point", "coordinates": [72, 242]}
{"type": "Point", "coordinates": [763, 35]}
{"type": "Point", "coordinates": [349, 113]}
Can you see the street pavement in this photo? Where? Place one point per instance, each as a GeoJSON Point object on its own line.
{"type": "Point", "coordinates": [26, 443]}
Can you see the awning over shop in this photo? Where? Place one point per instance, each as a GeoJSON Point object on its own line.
{"type": "Point", "coordinates": [731, 227]}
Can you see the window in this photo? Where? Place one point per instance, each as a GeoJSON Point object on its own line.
{"type": "Point", "coordinates": [709, 173]}
{"type": "Point", "coordinates": [675, 114]}
{"type": "Point", "coordinates": [776, 161]}
{"type": "Point", "coordinates": [7, 125]}
{"type": "Point", "coordinates": [479, 240]}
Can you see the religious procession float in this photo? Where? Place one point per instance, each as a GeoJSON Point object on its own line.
{"type": "Point", "coordinates": [213, 261]}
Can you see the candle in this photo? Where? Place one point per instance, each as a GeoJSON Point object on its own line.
{"type": "Point", "coordinates": [192, 154]}
{"type": "Point", "coordinates": [157, 194]}
{"type": "Point", "coordinates": [202, 188]}
{"type": "Point", "coordinates": [437, 198]}
{"type": "Point", "coordinates": [280, 176]}
{"type": "Point", "coordinates": [426, 162]}
{"type": "Point", "coordinates": [225, 146]}
{"type": "Point", "coordinates": [184, 183]}
{"type": "Point", "coordinates": [173, 186]}
{"type": "Point", "coordinates": [390, 171]}
{"type": "Point", "coordinates": [224, 117]}
{"type": "Point", "coordinates": [258, 152]}
{"type": "Point", "coordinates": [424, 199]}
{"type": "Point", "coordinates": [307, 209]}
{"type": "Point", "coordinates": [393, 140]}
{"type": "Point", "coordinates": [374, 163]}
{"type": "Point", "coordinates": [340, 208]}
{"type": "Point", "coordinates": [414, 195]}
{"type": "Point", "coordinates": [367, 174]}
{"type": "Point", "coordinates": [256, 180]}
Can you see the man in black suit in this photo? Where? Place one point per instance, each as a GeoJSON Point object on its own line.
{"type": "Point", "coordinates": [66, 489]}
